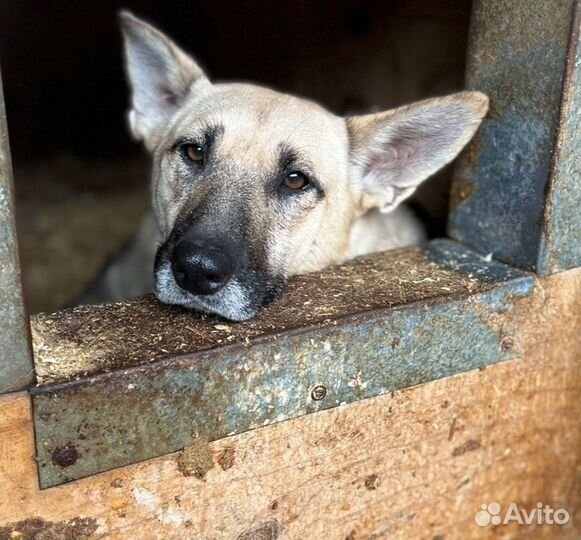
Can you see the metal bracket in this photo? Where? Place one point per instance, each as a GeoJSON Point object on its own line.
{"type": "Point", "coordinates": [516, 193]}
{"type": "Point", "coordinates": [16, 367]}
{"type": "Point", "coordinates": [458, 319]}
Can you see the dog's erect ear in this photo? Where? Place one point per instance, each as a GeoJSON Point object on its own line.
{"type": "Point", "coordinates": [394, 151]}
{"type": "Point", "coordinates": [160, 75]}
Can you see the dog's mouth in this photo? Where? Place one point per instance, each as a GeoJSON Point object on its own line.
{"type": "Point", "coordinates": [234, 302]}
{"type": "Point", "coordinates": [241, 298]}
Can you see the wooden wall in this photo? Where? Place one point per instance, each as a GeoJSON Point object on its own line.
{"type": "Point", "coordinates": [414, 465]}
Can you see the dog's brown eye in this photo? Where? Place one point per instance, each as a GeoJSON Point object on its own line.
{"type": "Point", "coordinates": [195, 153]}
{"type": "Point", "coordinates": [295, 181]}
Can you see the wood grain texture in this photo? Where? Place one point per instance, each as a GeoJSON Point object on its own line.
{"type": "Point", "coordinates": [414, 465]}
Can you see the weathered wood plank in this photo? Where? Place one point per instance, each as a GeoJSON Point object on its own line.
{"type": "Point", "coordinates": [416, 464]}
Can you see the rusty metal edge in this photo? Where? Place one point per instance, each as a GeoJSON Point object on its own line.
{"type": "Point", "coordinates": [434, 249]}
{"type": "Point", "coordinates": [549, 261]}
{"type": "Point", "coordinates": [98, 420]}
{"type": "Point", "coordinates": [16, 364]}
{"type": "Point", "coordinates": [444, 252]}
{"type": "Point", "coordinates": [463, 224]}
{"type": "Point", "coordinates": [234, 348]}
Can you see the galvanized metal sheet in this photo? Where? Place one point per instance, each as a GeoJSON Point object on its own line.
{"type": "Point", "coordinates": [517, 55]}
{"type": "Point", "coordinates": [114, 419]}
{"type": "Point", "coordinates": [561, 243]}
{"type": "Point", "coordinates": [16, 368]}
{"type": "Point", "coordinates": [91, 340]}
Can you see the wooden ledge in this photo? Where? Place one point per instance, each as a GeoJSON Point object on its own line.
{"type": "Point", "coordinates": [91, 340]}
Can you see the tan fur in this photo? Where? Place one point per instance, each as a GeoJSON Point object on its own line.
{"type": "Point", "coordinates": [365, 165]}
{"type": "Point", "coordinates": [257, 120]}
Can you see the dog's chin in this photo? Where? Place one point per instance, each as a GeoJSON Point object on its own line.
{"type": "Point", "coordinates": [234, 302]}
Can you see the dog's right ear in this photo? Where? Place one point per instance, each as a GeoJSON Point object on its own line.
{"type": "Point", "coordinates": [160, 74]}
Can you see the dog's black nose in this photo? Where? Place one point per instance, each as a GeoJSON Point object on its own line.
{"type": "Point", "coordinates": [201, 269]}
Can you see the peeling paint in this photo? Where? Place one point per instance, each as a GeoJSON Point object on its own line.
{"type": "Point", "coordinates": [146, 498]}
{"type": "Point", "coordinates": [166, 515]}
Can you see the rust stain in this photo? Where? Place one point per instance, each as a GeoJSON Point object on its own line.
{"type": "Point", "coordinates": [226, 459]}
{"type": "Point", "coordinates": [372, 482]}
{"type": "Point", "coordinates": [462, 190]}
{"type": "Point", "coordinates": [65, 456]}
{"type": "Point", "coordinates": [469, 446]}
{"type": "Point", "coordinates": [117, 483]}
{"type": "Point", "coordinates": [196, 458]}
{"type": "Point", "coordinates": [37, 528]}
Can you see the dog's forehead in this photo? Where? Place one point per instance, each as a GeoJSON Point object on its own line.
{"type": "Point", "coordinates": [259, 120]}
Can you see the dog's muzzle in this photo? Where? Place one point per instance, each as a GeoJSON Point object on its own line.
{"type": "Point", "coordinates": [211, 273]}
{"type": "Point", "coordinates": [200, 267]}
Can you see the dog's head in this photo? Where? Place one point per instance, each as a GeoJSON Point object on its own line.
{"type": "Point", "coordinates": [251, 186]}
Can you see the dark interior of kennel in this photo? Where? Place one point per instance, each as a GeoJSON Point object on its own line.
{"type": "Point", "coordinates": [81, 183]}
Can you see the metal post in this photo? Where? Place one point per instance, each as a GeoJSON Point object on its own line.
{"type": "Point", "coordinates": [517, 190]}
{"type": "Point", "coordinates": [16, 365]}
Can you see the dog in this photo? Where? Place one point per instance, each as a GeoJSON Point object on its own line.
{"type": "Point", "coordinates": [251, 186]}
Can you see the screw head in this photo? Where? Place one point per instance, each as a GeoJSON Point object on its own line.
{"type": "Point", "coordinates": [318, 392]}
{"type": "Point", "coordinates": [507, 344]}
{"type": "Point", "coordinates": [65, 456]}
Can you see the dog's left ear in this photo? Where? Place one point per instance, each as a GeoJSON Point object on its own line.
{"type": "Point", "coordinates": [394, 151]}
{"type": "Point", "coordinates": [160, 74]}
